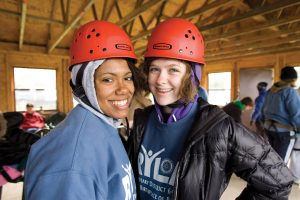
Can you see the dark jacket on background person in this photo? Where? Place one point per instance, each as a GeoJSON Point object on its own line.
{"type": "Point", "coordinates": [215, 148]}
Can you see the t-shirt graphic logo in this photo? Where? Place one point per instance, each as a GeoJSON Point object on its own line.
{"type": "Point", "coordinates": [128, 183]}
{"type": "Point", "coordinates": [148, 161]}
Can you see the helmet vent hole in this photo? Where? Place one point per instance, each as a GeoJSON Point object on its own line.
{"type": "Point", "coordinates": [104, 49]}
{"type": "Point", "coordinates": [93, 30]}
{"type": "Point", "coordinates": [180, 50]}
{"type": "Point", "coordinates": [91, 51]}
{"type": "Point", "coordinates": [189, 31]}
{"type": "Point", "coordinates": [193, 38]}
{"type": "Point", "coordinates": [88, 36]}
{"type": "Point", "coordinates": [186, 48]}
{"type": "Point", "coordinates": [191, 53]}
{"type": "Point", "coordinates": [186, 35]}
{"type": "Point", "coordinates": [97, 34]}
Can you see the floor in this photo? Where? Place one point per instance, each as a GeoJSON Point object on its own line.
{"type": "Point", "coordinates": [13, 191]}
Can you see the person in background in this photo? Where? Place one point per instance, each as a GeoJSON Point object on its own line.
{"type": "Point", "coordinates": [256, 114]}
{"type": "Point", "coordinates": [83, 157]}
{"type": "Point", "coordinates": [202, 93]}
{"type": "Point", "coordinates": [33, 121]}
{"type": "Point", "coordinates": [281, 112]}
{"type": "Point", "coordinates": [3, 125]}
{"type": "Point", "coordinates": [183, 148]}
{"type": "Point", "coordinates": [236, 108]}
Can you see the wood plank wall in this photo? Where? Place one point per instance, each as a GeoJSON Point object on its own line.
{"type": "Point", "coordinates": [274, 61]}
{"type": "Point", "coordinates": [9, 59]}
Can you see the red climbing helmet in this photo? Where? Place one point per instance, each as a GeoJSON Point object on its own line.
{"type": "Point", "coordinates": [176, 38]}
{"type": "Point", "coordinates": [98, 40]}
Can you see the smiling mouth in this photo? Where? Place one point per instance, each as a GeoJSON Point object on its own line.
{"type": "Point", "coordinates": [121, 103]}
{"type": "Point", "coordinates": [160, 90]}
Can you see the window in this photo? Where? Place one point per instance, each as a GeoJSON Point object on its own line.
{"type": "Point", "coordinates": [219, 88]}
{"type": "Point", "coordinates": [298, 79]}
{"type": "Point", "coordinates": [36, 86]}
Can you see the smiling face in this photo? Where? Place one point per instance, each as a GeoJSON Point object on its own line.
{"type": "Point", "coordinates": [114, 87]}
{"type": "Point", "coordinates": [165, 78]}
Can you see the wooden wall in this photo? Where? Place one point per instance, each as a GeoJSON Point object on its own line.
{"type": "Point", "coordinates": [274, 61]}
{"type": "Point", "coordinates": [9, 59]}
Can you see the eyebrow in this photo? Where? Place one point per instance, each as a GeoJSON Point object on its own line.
{"type": "Point", "coordinates": [114, 74]}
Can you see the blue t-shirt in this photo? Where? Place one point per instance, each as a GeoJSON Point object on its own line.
{"type": "Point", "coordinates": [159, 155]}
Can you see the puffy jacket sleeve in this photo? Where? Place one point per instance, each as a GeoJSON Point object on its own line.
{"type": "Point", "coordinates": [256, 162]}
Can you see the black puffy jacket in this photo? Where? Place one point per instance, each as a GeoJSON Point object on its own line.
{"type": "Point", "coordinates": [216, 148]}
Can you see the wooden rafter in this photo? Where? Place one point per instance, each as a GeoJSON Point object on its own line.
{"type": "Point", "coordinates": [63, 11]}
{"type": "Point", "coordinates": [67, 11]}
{"type": "Point", "coordinates": [269, 50]}
{"type": "Point", "coordinates": [104, 9]}
{"type": "Point", "coordinates": [130, 25]}
{"type": "Point", "coordinates": [243, 42]}
{"type": "Point", "coordinates": [255, 46]}
{"type": "Point", "coordinates": [252, 29]}
{"type": "Point", "coordinates": [32, 17]}
{"type": "Point", "coordinates": [258, 11]}
{"type": "Point", "coordinates": [94, 12]}
{"type": "Point", "coordinates": [51, 17]}
{"type": "Point", "coordinates": [118, 9]}
{"type": "Point", "coordinates": [161, 10]}
{"type": "Point", "coordinates": [189, 15]}
{"type": "Point", "coordinates": [70, 25]}
{"type": "Point", "coordinates": [22, 23]}
{"type": "Point", "coordinates": [109, 11]}
{"type": "Point", "coordinates": [128, 18]}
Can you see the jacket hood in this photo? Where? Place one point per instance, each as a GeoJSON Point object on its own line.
{"type": "Point", "coordinates": [279, 86]}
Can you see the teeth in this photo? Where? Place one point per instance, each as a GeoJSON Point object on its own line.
{"type": "Point", "coordinates": [120, 103]}
{"type": "Point", "coordinates": [163, 90]}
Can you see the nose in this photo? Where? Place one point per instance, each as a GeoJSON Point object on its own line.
{"type": "Point", "coordinates": [161, 77]}
{"type": "Point", "coordinates": [121, 88]}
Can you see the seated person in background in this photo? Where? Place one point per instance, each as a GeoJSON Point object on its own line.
{"type": "Point", "coordinates": [235, 109]}
{"type": "Point", "coordinates": [2, 125]}
{"type": "Point", "coordinates": [33, 121]}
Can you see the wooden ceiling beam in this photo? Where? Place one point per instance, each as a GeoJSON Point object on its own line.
{"type": "Point", "coordinates": [95, 12]}
{"type": "Point", "coordinates": [104, 9]}
{"type": "Point", "coordinates": [51, 17]}
{"type": "Point", "coordinates": [68, 11]}
{"type": "Point", "coordinates": [263, 51]}
{"type": "Point", "coordinates": [128, 18]}
{"type": "Point", "coordinates": [118, 9]}
{"type": "Point", "coordinates": [243, 41]}
{"type": "Point", "coordinates": [189, 15]}
{"type": "Point", "coordinates": [71, 25]}
{"type": "Point", "coordinates": [255, 46]}
{"type": "Point", "coordinates": [255, 12]}
{"type": "Point", "coordinates": [259, 18]}
{"type": "Point", "coordinates": [274, 22]}
{"type": "Point", "coordinates": [109, 11]}
{"type": "Point", "coordinates": [63, 11]}
{"type": "Point", "coordinates": [207, 7]}
{"type": "Point", "coordinates": [32, 17]}
{"type": "Point", "coordinates": [161, 10]}
{"type": "Point", "coordinates": [22, 23]}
